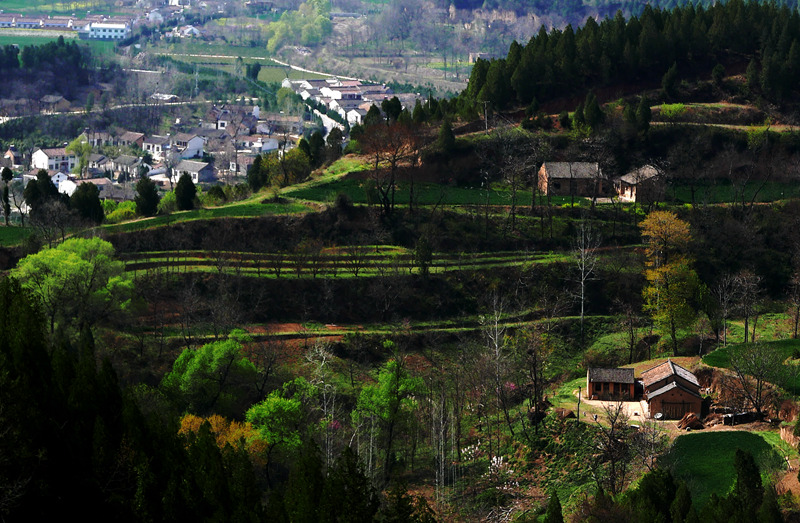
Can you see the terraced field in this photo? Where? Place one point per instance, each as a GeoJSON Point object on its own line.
{"type": "Point", "coordinates": [344, 262]}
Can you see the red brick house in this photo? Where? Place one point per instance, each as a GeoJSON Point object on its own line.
{"type": "Point", "coordinates": [671, 390]}
{"type": "Point", "coordinates": [610, 384]}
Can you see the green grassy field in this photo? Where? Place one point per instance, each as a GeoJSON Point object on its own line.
{"type": "Point", "coordinates": [47, 7]}
{"type": "Point", "coordinates": [425, 193]}
{"type": "Point", "coordinates": [245, 210]}
{"type": "Point", "coordinates": [705, 460]}
{"type": "Point", "coordinates": [724, 192]}
{"type": "Point", "coordinates": [22, 40]}
{"type": "Point", "coordinates": [10, 236]}
{"type": "Point", "coordinates": [721, 356]}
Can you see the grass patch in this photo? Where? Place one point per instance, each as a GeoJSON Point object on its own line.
{"type": "Point", "coordinates": [247, 210]}
{"type": "Point", "coordinates": [721, 357]}
{"type": "Point", "coordinates": [360, 191]}
{"type": "Point", "coordinates": [705, 461]}
{"type": "Point", "coordinates": [10, 236]}
{"type": "Point", "coordinates": [723, 191]}
{"type": "Point", "coordinates": [98, 47]}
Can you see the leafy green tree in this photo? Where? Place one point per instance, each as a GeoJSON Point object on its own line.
{"type": "Point", "coordinates": [147, 197]}
{"type": "Point", "coordinates": [280, 417]}
{"type": "Point", "coordinates": [89, 103]}
{"type": "Point", "coordinates": [77, 283]}
{"type": "Point", "coordinates": [215, 376]}
{"type": "Point", "coordinates": [81, 148]}
{"type": "Point", "coordinates": [86, 201]}
{"type": "Point", "coordinates": [670, 296]}
{"type": "Point", "coordinates": [185, 193]}
{"type": "Point", "coordinates": [391, 401]}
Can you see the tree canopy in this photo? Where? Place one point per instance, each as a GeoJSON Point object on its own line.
{"type": "Point", "coordinates": [77, 282]}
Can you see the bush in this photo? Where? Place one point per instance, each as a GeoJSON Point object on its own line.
{"type": "Point", "coordinates": [167, 205]}
{"type": "Point", "coordinates": [124, 211]}
{"type": "Point", "coordinates": [353, 147]}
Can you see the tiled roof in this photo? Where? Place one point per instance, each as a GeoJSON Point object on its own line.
{"type": "Point", "coordinates": [639, 175]}
{"type": "Point", "coordinates": [666, 369]}
{"type": "Point", "coordinates": [572, 170]}
{"type": "Point", "coordinates": [56, 151]}
{"type": "Point", "coordinates": [668, 387]}
{"type": "Point", "coordinates": [611, 376]}
{"type": "Point", "coordinates": [191, 166]}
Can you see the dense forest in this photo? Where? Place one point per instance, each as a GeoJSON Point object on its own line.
{"type": "Point", "coordinates": [684, 42]}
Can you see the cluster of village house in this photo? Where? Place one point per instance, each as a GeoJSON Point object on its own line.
{"type": "Point", "coordinates": [668, 390]}
{"type": "Point", "coordinates": [586, 180]}
{"type": "Point", "coordinates": [95, 27]}
{"type": "Point", "coordinates": [102, 27]}
{"type": "Point", "coordinates": [233, 134]}
{"type": "Point", "coordinates": [351, 99]}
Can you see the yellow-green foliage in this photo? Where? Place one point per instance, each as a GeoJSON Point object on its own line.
{"type": "Point", "coordinates": [124, 211]}
{"type": "Point", "coordinates": [309, 25]}
{"type": "Point", "coordinates": [670, 111]}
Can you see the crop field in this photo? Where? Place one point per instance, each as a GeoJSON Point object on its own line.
{"type": "Point", "coordinates": [8, 37]}
{"type": "Point", "coordinates": [705, 460]}
{"type": "Point", "coordinates": [48, 7]}
{"type": "Point", "coordinates": [352, 261]}
{"type": "Point", "coordinates": [726, 192]}
{"type": "Point", "coordinates": [245, 210]}
{"type": "Point", "coordinates": [361, 191]}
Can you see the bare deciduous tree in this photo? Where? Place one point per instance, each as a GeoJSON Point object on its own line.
{"type": "Point", "coordinates": [612, 459]}
{"type": "Point", "coordinates": [587, 241]}
{"type": "Point", "coordinates": [754, 366]}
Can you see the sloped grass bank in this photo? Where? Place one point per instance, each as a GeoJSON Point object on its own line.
{"type": "Point", "coordinates": [705, 460]}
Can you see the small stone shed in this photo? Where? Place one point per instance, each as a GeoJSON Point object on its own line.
{"type": "Point", "coordinates": [610, 384]}
{"type": "Point", "coordinates": [671, 390]}
{"type": "Point", "coordinates": [582, 179]}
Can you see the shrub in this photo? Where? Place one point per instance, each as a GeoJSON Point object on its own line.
{"type": "Point", "coordinates": [124, 211]}
{"type": "Point", "coordinates": [167, 204]}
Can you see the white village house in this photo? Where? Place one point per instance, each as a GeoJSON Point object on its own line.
{"type": "Point", "coordinates": [54, 159]}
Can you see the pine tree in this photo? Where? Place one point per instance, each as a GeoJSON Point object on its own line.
{"type": "Point", "coordinates": [446, 140]}
{"type": "Point", "coordinates": [185, 193]}
{"type": "Point", "coordinates": [147, 197]}
{"type": "Point", "coordinates": [553, 514]}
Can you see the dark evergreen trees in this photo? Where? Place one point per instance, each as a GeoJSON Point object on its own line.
{"type": "Point", "coordinates": [86, 202]}
{"type": "Point", "coordinates": [147, 197]}
{"type": "Point", "coordinates": [185, 193]}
